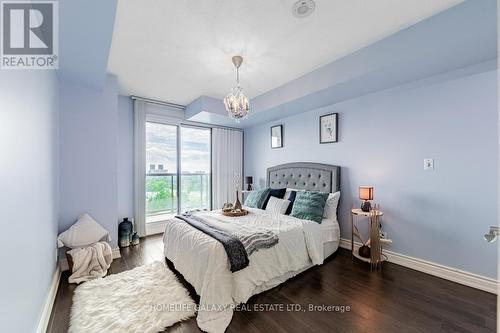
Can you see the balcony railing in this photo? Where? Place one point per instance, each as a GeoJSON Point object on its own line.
{"type": "Point", "coordinates": [161, 193]}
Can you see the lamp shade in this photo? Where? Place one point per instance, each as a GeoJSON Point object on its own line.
{"type": "Point", "coordinates": [248, 180]}
{"type": "Point", "coordinates": [366, 192]}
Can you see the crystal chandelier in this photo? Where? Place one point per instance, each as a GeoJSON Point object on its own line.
{"type": "Point", "coordinates": [236, 102]}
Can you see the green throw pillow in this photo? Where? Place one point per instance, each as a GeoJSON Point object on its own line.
{"type": "Point", "coordinates": [257, 198]}
{"type": "Point", "coordinates": [309, 205]}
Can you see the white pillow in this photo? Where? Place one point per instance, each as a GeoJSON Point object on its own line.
{"type": "Point", "coordinates": [84, 232]}
{"type": "Point", "coordinates": [331, 204]}
{"type": "Point", "coordinates": [277, 206]}
{"type": "Point", "coordinates": [288, 192]}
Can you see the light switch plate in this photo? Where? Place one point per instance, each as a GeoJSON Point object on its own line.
{"type": "Point", "coordinates": [428, 164]}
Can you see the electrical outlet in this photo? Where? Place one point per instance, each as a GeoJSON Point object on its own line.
{"type": "Point", "coordinates": [428, 164]}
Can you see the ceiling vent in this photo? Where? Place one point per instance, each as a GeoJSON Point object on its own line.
{"type": "Point", "coordinates": [303, 8]}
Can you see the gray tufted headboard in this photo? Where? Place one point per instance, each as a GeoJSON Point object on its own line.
{"type": "Point", "coordinates": [305, 176]}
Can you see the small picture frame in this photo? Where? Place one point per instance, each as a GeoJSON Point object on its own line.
{"type": "Point", "coordinates": [328, 128]}
{"type": "Point", "coordinates": [277, 136]}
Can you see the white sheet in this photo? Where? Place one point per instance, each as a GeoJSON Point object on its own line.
{"type": "Point", "coordinates": [330, 230]}
{"type": "Point", "coordinates": [204, 263]}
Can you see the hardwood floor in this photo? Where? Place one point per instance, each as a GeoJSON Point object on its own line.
{"type": "Point", "coordinates": [397, 299]}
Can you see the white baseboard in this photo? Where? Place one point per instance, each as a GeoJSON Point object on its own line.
{"type": "Point", "coordinates": [116, 253]}
{"type": "Point", "coordinates": [445, 272]}
{"type": "Point", "coordinates": [49, 302]}
{"type": "Point", "coordinates": [63, 261]}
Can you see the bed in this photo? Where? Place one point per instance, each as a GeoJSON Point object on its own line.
{"type": "Point", "coordinates": [302, 244]}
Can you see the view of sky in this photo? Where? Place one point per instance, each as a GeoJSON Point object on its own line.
{"type": "Point", "coordinates": [161, 148]}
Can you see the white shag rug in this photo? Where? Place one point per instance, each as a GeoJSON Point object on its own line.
{"type": "Point", "coordinates": [145, 299]}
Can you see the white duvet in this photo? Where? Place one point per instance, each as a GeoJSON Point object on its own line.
{"type": "Point", "coordinates": [203, 262]}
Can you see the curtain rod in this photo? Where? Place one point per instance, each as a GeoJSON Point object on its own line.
{"type": "Point", "coordinates": [154, 101]}
{"type": "Point", "coordinates": [197, 123]}
{"type": "Point", "coordinates": [182, 107]}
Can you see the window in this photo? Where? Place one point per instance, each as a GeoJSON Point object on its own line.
{"type": "Point", "coordinates": [195, 168]}
{"type": "Point", "coordinates": [161, 183]}
{"type": "Point", "coordinates": [178, 170]}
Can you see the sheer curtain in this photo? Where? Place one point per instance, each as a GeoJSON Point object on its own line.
{"type": "Point", "coordinates": [139, 166]}
{"type": "Point", "coordinates": [227, 165]}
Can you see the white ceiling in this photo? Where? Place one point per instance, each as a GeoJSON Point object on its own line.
{"type": "Point", "coordinates": [176, 51]}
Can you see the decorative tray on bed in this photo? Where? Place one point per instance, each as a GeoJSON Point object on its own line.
{"type": "Point", "coordinates": [235, 213]}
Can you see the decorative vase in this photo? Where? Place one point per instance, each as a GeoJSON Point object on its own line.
{"type": "Point", "coordinates": [237, 203]}
{"type": "Point", "coordinates": [364, 251]}
{"type": "Point", "coordinates": [366, 206]}
{"type": "Point", "coordinates": [125, 233]}
{"type": "Point", "coordinates": [135, 239]}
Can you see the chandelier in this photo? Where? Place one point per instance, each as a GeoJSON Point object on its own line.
{"type": "Point", "coordinates": [236, 102]}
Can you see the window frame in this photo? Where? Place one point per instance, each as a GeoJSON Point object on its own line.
{"type": "Point", "coordinates": [173, 121]}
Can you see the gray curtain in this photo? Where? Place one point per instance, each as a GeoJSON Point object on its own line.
{"type": "Point", "coordinates": [227, 165]}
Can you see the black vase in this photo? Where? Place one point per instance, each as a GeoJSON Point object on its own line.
{"type": "Point", "coordinates": [125, 229]}
{"type": "Point", "coordinates": [366, 206]}
{"type": "Point", "coordinates": [364, 251]}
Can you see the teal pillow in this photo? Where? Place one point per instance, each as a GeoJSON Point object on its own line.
{"type": "Point", "coordinates": [256, 199]}
{"type": "Point", "coordinates": [309, 205]}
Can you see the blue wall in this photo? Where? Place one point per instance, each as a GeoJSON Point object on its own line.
{"type": "Point", "coordinates": [28, 199]}
{"type": "Point", "coordinates": [438, 215]}
{"type": "Point", "coordinates": [89, 154]}
{"type": "Point", "coordinates": [83, 46]}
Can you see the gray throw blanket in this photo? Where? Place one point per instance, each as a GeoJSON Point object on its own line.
{"type": "Point", "coordinates": [238, 244]}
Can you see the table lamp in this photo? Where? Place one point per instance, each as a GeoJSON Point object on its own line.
{"type": "Point", "coordinates": [249, 181]}
{"type": "Point", "coordinates": [366, 194]}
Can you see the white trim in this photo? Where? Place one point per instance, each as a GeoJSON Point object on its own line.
{"type": "Point", "coordinates": [63, 261]}
{"type": "Point", "coordinates": [61, 266]}
{"type": "Point", "coordinates": [49, 302]}
{"type": "Point", "coordinates": [116, 253]}
{"type": "Point", "coordinates": [432, 268]}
